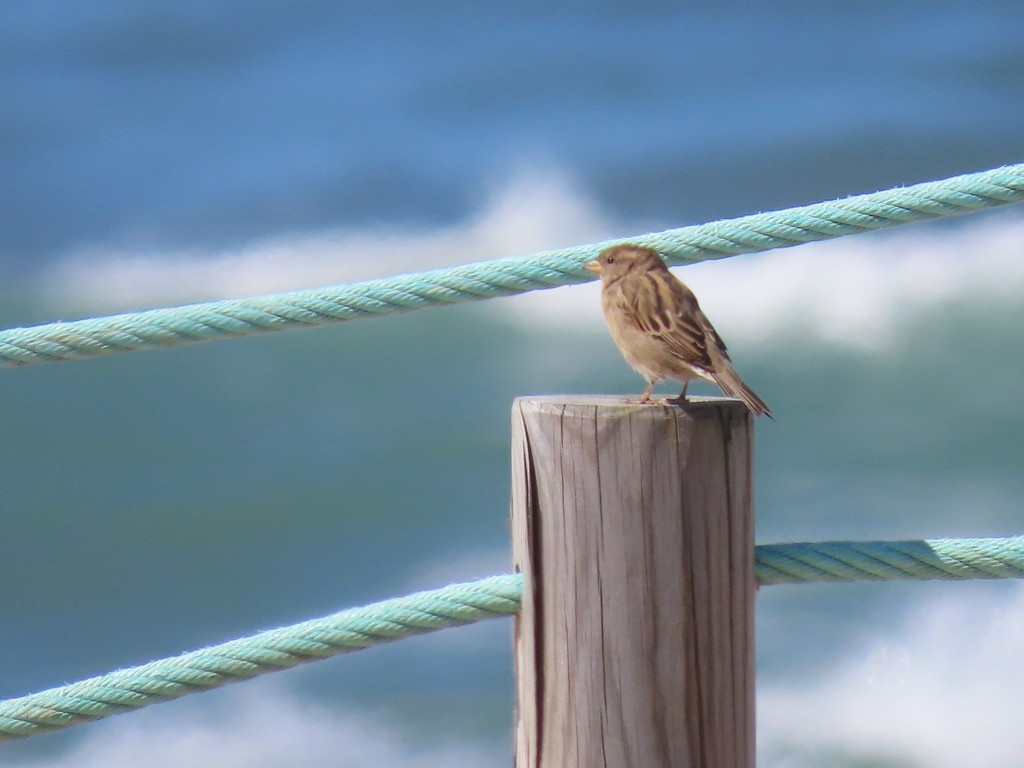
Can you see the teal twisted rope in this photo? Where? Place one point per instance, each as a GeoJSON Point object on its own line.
{"type": "Point", "coordinates": [504, 277]}
{"type": "Point", "coordinates": [890, 560]}
{"type": "Point", "coordinates": [248, 657]}
{"type": "Point", "coordinates": [460, 604]}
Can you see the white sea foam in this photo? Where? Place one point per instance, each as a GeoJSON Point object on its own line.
{"type": "Point", "coordinates": [261, 726]}
{"type": "Point", "coordinates": [851, 291]}
{"type": "Point", "coordinates": [942, 691]}
{"type": "Point", "coordinates": [531, 212]}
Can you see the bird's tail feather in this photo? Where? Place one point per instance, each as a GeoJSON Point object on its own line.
{"type": "Point", "coordinates": [732, 385]}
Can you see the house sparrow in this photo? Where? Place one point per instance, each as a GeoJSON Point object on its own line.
{"type": "Point", "coordinates": [660, 329]}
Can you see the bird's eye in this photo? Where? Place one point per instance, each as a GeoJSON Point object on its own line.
{"type": "Point", "coordinates": [609, 259]}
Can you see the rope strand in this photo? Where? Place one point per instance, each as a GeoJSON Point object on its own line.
{"type": "Point", "coordinates": [277, 649]}
{"type": "Point", "coordinates": [503, 277]}
{"type": "Point", "coordinates": [459, 604]}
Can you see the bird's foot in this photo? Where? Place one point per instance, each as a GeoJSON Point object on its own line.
{"type": "Point", "coordinates": [679, 399]}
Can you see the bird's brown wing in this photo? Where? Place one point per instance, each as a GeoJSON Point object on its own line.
{"type": "Point", "coordinates": [667, 310]}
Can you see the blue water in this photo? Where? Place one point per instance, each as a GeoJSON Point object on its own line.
{"type": "Point", "coordinates": [158, 502]}
{"type": "Point", "coordinates": [194, 122]}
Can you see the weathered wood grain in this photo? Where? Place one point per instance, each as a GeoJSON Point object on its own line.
{"type": "Point", "coordinates": [633, 528]}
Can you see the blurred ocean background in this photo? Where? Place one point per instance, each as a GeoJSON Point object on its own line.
{"type": "Point", "coordinates": [157, 153]}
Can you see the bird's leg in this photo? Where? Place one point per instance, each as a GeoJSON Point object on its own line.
{"type": "Point", "coordinates": [681, 400]}
{"type": "Point", "coordinates": [646, 396]}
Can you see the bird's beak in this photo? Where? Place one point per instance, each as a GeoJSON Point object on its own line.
{"type": "Point", "coordinates": [593, 266]}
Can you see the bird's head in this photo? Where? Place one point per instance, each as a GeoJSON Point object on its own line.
{"type": "Point", "coordinates": [617, 260]}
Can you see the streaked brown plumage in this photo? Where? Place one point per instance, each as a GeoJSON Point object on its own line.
{"type": "Point", "coordinates": [660, 329]}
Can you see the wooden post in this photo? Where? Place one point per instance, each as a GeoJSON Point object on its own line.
{"type": "Point", "coordinates": [633, 528]}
